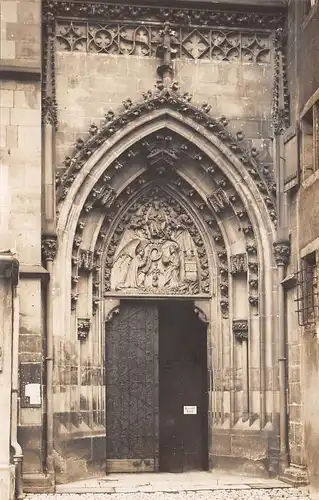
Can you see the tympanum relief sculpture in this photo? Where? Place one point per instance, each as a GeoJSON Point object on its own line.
{"type": "Point", "coordinates": [157, 253]}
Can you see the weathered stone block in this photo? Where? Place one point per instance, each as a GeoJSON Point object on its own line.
{"type": "Point", "coordinates": [25, 117]}
{"type": "Point", "coordinates": [249, 446]}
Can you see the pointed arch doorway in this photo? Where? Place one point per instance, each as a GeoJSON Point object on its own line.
{"type": "Point", "coordinates": [156, 387]}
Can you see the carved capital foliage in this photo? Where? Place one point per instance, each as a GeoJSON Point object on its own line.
{"type": "Point", "coordinates": [49, 246]}
{"type": "Point", "coordinates": [238, 263]}
{"type": "Point", "coordinates": [281, 249]}
{"type": "Point", "coordinates": [240, 329]}
{"type": "Point", "coordinates": [84, 326]}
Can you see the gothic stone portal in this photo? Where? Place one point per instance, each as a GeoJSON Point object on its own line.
{"type": "Point", "coordinates": [155, 367]}
{"type": "Point", "coordinates": [159, 251]}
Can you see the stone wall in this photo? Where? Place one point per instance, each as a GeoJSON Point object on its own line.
{"type": "Point", "coordinates": [303, 80]}
{"type": "Point", "coordinates": [20, 226]}
{"type": "Point", "coordinates": [88, 85]}
{"type": "Point", "coordinates": [20, 34]}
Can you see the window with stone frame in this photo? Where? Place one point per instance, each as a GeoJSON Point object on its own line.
{"type": "Point", "coordinates": [307, 287]}
{"type": "Point", "coordinates": [310, 141]}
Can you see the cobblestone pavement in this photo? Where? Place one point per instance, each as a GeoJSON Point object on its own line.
{"type": "Point", "coordinates": [224, 494]}
{"type": "Point", "coordinates": [215, 485]}
{"type": "Point", "coordinates": [175, 487]}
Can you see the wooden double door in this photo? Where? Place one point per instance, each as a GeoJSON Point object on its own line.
{"type": "Point", "coordinates": [156, 393]}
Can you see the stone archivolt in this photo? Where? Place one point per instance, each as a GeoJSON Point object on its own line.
{"type": "Point", "coordinates": [261, 175]}
{"type": "Point", "coordinates": [128, 264]}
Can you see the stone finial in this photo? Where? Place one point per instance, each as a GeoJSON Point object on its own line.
{"type": "Point", "coordinates": [281, 249]}
{"type": "Point", "coordinates": [49, 246]}
{"type": "Point", "coordinates": [240, 329]}
{"type": "Point", "coordinates": [84, 326]}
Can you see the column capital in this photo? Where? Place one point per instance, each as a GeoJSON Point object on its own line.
{"type": "Point", "coordinates": [49, 246]}
{"type": "Point", "coordinates": [281, 251]}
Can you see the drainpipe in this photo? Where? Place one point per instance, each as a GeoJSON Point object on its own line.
{"type": "Point", "coordinates": [282, 254]}
{"type": "Point", "coordinates": [17, 450]}
{"type": "Point", "coordinates": [281, 251]}
{"type": "Point", "coordinates": [49, 246]}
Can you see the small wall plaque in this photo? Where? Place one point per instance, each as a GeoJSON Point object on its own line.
{"type": "Point", "coordinates": [33, 392]}
{"type": "Point", "coordinates": [190, 410]}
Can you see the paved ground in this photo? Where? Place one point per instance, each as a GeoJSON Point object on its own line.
{"type": "Point", "coordinates": [190, 486]}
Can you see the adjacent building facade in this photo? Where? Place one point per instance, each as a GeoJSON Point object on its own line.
{"type": "Point", "coordinates": [159, 239]}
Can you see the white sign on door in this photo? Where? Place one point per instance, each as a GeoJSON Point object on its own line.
{"type": "Point", "coordinates": [190, 410]}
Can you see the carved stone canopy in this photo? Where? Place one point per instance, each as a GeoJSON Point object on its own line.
{"type": "Point", "coordinates": [157, 249]}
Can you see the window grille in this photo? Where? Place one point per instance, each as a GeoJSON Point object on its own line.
{"type": "Point", "coordinates": [307, 291]}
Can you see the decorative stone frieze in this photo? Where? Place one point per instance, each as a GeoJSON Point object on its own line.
{"type": "Point", "coordinates": [240, 329]}
{"type": "Point", "coordinates": [238, 263]}
{"type": "Point", "coordinates": [280, 101]}
{"type": "Point", "coordinates": [281, 250]}
{"type": "Point", "coordinates": [84, 326]}
{"type": "Point", "coordinates": [150, 40]}
{"type": "Point", "coordinates": [49, 103]}
{"type": "Point", "coordinates": [49, 246]}
{"type": "Point", "coordinates": [181, 16]}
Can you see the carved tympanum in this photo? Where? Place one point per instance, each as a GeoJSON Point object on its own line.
{"type": "Point", "coordinates": [160, 251]}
